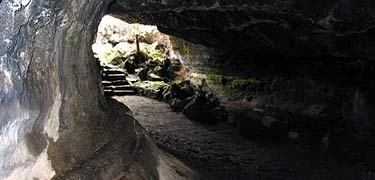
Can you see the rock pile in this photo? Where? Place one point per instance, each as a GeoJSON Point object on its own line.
{"type": "Point", "coordinates": [153, 77]}
{"type": "Point", "coordinates": [195, 103]}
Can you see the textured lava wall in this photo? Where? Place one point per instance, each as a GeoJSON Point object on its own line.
{"type": "Point", "coordinates": [54, 118]}
{"type": "Point", "coordinates": [339, 28]}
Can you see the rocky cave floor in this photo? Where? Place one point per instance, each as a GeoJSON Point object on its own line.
{"type": "Point", "coordinates": [218, 152]}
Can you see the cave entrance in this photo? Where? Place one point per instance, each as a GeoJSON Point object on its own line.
{"type": "Point", "coordinates": [137, 59]}
{"type": "Point", "coordinates": [134, 59]}
{"type": "Point", "coordinates": [174, 108]}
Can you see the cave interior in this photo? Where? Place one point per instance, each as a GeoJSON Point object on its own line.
{"type": "Point", "coordinates": [187, 89]}
{"type": "Point", "coordinates": [263, 83]}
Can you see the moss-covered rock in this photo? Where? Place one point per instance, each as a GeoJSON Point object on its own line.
{"type": "Point", "coordinates": [243, 83]}
{"type": "Point", "coordinates": [215, 78]}
{"type": "Point", "coordinates": [153, 89]}
{"type": "Point", "coordinates": [228, 87]}
{"type": "Point", "coordinates": [181, 90]}
{"type": "Point", "coordinates": [154, 77]}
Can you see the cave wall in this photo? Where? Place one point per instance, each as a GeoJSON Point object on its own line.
{"type": "Point", "coordinates": [52, 84]}
{"type": "Point", "coordinates": [55, 121]}
{"type": "Point", "coordinates": [295, 28]}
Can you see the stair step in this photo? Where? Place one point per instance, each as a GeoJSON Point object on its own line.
{"type": "Point", "coordinates": [119, 87]}
{"type": "Point", "coordinates": [109, 73]}
{"type": "Point", "coordinates": [114, 71]}
{"type": "Point", "coordinates": [111, 67]}
{"type": "Point", "coordinates": [118, 92]}
{"type": "Point", "coordinates": [114, 77]}
{"type": "Point", "coordinates": [115, 83]}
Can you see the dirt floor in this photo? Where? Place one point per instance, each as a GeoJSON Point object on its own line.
{"type": "Point", "coordinates": [218, 152]}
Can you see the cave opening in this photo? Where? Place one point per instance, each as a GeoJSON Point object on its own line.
{"type": "Point", "coordinates": [138, 59]}
{"type": "Point", "coordinates": [213, 108]}
{"type": "Point", "coordinates": [135, 59]}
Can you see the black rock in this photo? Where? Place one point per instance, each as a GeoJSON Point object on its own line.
{"type": "Point", "coordinates": [143, 74]}
{"type": "Point", "coordinates": [178, 105]}
{"type": "Point", "coordinates": [256, 126]}
{"type": "Point", "coordinates": [130, 66]}
{"type": "Point", "coordinates": [181, 92]}
{"type": "Point", "coordinates": [195, 110]}
{"type": "Point", "coordinates": [219, 114]}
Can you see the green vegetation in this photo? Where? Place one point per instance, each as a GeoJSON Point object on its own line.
{"type": "Point", "coordinates": [151, 85]}
{"type": "Point", "coordinates": [243, 83]}
{"type": "Point", "coordinates": [214, 78]}
{"type": "Point", "coordinates": [229, 87]}
{"type": "Point", "coordinates": [150, 88]}
{"type": "Point", "coordinates": [152, 70]}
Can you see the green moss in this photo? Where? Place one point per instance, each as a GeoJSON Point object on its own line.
{"type": "Point", "coordinates": [117, 61]}
{"type": "Point", "coordinates": [242, 83]}
{"type": "Point", "coordinates": [214, 77]}
{"type": "Point", "coordinates": [181, 46]}
{"type": "Point", "coordinates": [186, 48]}
{"type": "Point", "coordinates": [225, 86]}
{"type": "Point", "coordinates": [152, 89]}
{"type": "Point", "coordinates": [234, 82]}
{"type": "Point", "coordinates": [151, 85]}
{"type": "Point", "coordinates": [155, 77]}
{"type": "Point", "coordinates": [157, 55]}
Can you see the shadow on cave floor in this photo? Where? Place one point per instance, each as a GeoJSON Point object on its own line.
{"type": "Point", "coordinates": [218, 152]}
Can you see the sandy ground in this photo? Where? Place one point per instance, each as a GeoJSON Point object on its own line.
{"type": "Point", "coordinates": [218, 152]}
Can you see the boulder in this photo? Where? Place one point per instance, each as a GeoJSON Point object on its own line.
{"type": "Point", "coordinates": [256, 126]}
{"type": "Point", "coordinates": [143, 74]}
{"type": "Point", "coordinates": [167, 63]}
{"type": "Point", "coordinates": [195, 109]}
{"type": "Point", "coordinates": [181, 91]}
{"type": "Point", "coordinates": [199, 109]}
{"type": "Point", "coordinates": [130, 66]}
{"type": "Point", "coordinates": [152, 89]}
{"type": "Point", "coordinates": [178, 105]}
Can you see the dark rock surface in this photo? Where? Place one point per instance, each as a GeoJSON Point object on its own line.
{"type": "Point", "coordinates": [55, 120]}
{"type": "Point", "coordinates": [256, 126]}
{"type": "Point", "coordinates": [295, 28]}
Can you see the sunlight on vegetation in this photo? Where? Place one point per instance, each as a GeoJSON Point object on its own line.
{"type": "Point", "coordinates": [151, 69]}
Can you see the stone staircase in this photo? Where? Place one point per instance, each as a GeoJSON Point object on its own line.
{"type": "Point", "coordinates": [114, 82]}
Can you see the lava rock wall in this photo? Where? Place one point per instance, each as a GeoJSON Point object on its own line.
{"type": "Point", "coordinates": [54, 118]}
{"type": "Point", "coordinates": [296, 28]}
